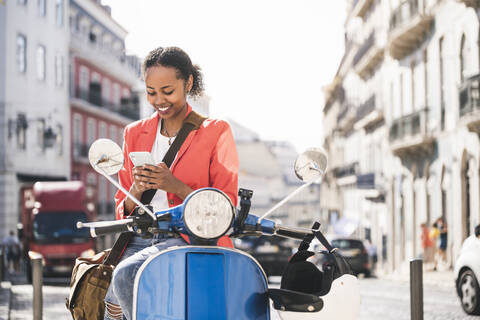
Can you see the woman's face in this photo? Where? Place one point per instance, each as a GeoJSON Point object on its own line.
{"type": "Point", "coordinates": [165, 92]}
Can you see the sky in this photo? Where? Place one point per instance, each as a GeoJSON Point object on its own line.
{"type": "Point", "coordinates": [264, 61]}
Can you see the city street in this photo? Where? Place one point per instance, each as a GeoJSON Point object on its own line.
{"type": "Point", "coordinates": [380, 299]}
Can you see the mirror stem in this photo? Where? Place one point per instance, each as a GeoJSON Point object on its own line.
{"type": "Point", "coordinates": [281, 203]}
{"type": "Point", "coordinates": [116, 184]}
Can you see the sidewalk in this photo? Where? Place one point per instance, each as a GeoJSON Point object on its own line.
{"type": "Point", "coordinates": [443, 277]}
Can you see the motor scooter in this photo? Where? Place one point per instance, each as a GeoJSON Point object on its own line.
{"type": "Point", "coordinates": [204, 281]}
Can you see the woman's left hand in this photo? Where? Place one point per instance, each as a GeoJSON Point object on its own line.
{"type": "Point", "coordinates": [160, 177]}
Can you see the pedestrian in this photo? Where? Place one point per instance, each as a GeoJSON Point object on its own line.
{"type": "Point", "coordinates": [434, 233]}
{"type": "Point", "coordinates": [427, 244]}
{"type": "Point", "coordinates": [211, 160]}
{"type": "Point", "coordinates": [477, 231]}
{"type": "Point", "coordinates": [443, 234]}
{"type": "Point", "coordinates": [12, 251]}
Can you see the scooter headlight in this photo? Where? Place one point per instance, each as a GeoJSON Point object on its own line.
{"type": "Point", "coordinates": [208, 214]}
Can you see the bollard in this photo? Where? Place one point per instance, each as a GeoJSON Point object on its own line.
{"type": "Point", "coordinates": [36, 260]}
{"type": "Point", "coordinates": [416, 289]}
{"type": "Point", "coordinates": [2, 263]}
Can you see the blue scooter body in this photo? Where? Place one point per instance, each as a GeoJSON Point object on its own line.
{"type": "Point", "coordinates": [198, 283]}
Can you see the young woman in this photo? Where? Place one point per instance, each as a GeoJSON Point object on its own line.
{"type": "Point", "coordinates": [207, 158]}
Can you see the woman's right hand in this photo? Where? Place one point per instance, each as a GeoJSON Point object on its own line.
{"type": "Point", "coordinates": [136, 190]}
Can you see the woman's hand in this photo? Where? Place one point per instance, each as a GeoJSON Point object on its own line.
{"type": "Point", "coordinates": [159, 177]}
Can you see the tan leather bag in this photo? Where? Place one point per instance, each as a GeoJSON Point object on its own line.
{"type": "Point", "coordinates": [89, 284]}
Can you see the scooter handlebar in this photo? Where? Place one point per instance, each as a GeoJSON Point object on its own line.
{"type": "Point", "coordinates": [292, 233]}
{"type": "Point", "coordinates": [106, 227]}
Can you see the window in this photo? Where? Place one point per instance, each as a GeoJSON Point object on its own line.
{"type": "Point", "coordinates": [463, 59]}
{"type": "Point", "coordinates": [102, 128]}
{"type": "Point", "coordinates": [42, 8]}
{"type": "Point", "coordinates": [21, 53]}
{"type": "Point", "coordinates": [59, 71]}
{"type": "Point", "coordinates": [91, 132]}
{"type": "Point", "coordinates": [22, 2]}
{"type": "Point", "coordinates": [106, 92]}
{"type": "Point", "coordinates": [442, 93]}
{"type": "Point", "coordinates": [116, 94]}
{"type": "Point", "coordinates": [113, 133]}
{"type": "Point", "coordinates": [40, 134]}
{"type": "Point", "coordinates": [41, 68]}
{"type": "Point", "coordinates": [83, 83]}
{"type": "Point", "coordinates": [59, 141]}
{"type": "Point", "coordinates": [425, 75]}
{"type": "Point", "coordinates": [21, 128]}
{"type": "Point", "coordinates": [59, 13]}
{"type": "Point", "coordinates": [77, 135]}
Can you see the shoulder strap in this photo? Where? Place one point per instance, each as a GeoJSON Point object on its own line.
{"type": "Point", "coordinates": [118, 248]}
{"type": "Point", "coordinates": [191, 122]}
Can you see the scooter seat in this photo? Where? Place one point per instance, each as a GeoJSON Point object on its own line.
{"type": "Point", "coordinates": [288, 300]}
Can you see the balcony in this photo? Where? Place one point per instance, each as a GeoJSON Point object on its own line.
{"type": "Point", "coordinates": [360, 8]}
{"type": "Point", "coordinates": [368, 113]}
{"type": "Point", "coordinates": [129, 107]}
{"type": "Point", "coordinates": [469, 96]}
{"type": "Point", "coordinates": [118, 65]}
{"type": "Point", "coordinates": [409, 135]}
{"type": "Point", "coordinates": [409, 25]}
{"type": "Point", "coordinates": [471, 3]}
{"type": "Point", "coordinates": [346, 174]}
{"type": "Point", "coordinates": [346, 117]}
{"type": "Point", "coordinates": [368, 56]}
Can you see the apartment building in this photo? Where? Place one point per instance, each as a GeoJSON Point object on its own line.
{"type": "Point", "coordinates": [105, 93]}
{"type": "Point", "coordinates": [401, 123]}
{"type": "Point", "coordinates": [34, 109]}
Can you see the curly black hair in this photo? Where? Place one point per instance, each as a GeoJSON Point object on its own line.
{"type": "Point", "coordinates": [176, 58]}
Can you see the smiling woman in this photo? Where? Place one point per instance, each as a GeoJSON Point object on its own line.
{"type": "Point", "coordinates": [207, 158]}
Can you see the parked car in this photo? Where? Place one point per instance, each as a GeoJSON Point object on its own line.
{"type": "Point", "coordinates": [355, 253]}
{"type": "Point", "coordinates": [272, 253]}
{"type": "Point", "coordinates": [467, 274]}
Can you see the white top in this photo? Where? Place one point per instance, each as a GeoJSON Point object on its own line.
{"type": "Point", "coordinates": [159, 149]}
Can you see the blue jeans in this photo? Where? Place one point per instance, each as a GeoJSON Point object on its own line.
{"type": "Point", "coordinates": [120, 291]}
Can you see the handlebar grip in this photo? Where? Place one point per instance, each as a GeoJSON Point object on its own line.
{"type": "Point", "coordinates": [100, 231]}
{"type": "Point", "coordinates": [106, 227]}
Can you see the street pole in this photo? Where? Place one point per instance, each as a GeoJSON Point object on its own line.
{"type": "Point", "coordinates": [416, 289]}
{"type": "Point", "coordinates": [37, 281]}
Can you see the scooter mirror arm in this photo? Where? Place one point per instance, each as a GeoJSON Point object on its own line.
{"type": "Point", "coordinates": [287, 198]}
{"type": "Point", "coordinates": [116, 184]}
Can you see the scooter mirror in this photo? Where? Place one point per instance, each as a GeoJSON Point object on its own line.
{"type": "Point", "coordinates": [105, 156]}
{"type": "Point", "coordinates": [311, 165]}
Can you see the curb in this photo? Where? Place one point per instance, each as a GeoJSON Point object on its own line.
{"type": "Point", "coordinates": [5, 299]}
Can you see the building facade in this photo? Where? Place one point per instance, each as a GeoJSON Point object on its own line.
{"type": "Point", "coordinates": [34, 110]}
{"type": "Point", "coordinates": [105, 89]}
{"type": "Point", "coordinates": [401, 123]}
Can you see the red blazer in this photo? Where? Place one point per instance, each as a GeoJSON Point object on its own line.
{"type": "Point", "coordinates": [207, 158]}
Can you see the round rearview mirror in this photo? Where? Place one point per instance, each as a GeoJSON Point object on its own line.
{"type": "Point", "coordinates": [311, 165]}
{"type": "Point", "coordinates": [105, 156]}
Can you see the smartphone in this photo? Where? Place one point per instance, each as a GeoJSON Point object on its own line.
{"type": "Point", "coordinates": [141, 158]}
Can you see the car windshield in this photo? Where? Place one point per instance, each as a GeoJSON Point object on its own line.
{"type": "Point", "coordinates": [347, 244]}
{"type": "Point", "coordinates": [59, 227]}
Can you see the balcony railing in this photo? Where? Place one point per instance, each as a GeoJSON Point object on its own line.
{"type": "Point", "coordinates": [368, 56]}
{"type": "Point", "coordinates": [409, 25]}
{"type": "Point", "coordinates": [410, 133]}
{"type": "Point", "coordinates": [364, 48]}
{"type": "Point", "coordinates": [366, 108]}
{"type": "Point", "coordinates": [80, 151]}
{"type": "Point", "coordinates": [128, 107]}
{"type": "Point", "coordinates": [366, 181]}
{"type": "Point", "coordinates": [469, 103]}
{"type": "Point", "coordinates": [346, 170]}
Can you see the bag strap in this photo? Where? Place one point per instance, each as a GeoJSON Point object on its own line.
{"type": "Point", "coordinates": [192, 121]}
